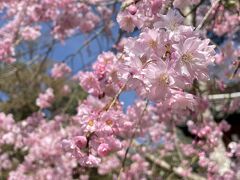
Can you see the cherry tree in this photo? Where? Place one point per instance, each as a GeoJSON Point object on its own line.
{"type": "Point", "coordinates": [180, 58]}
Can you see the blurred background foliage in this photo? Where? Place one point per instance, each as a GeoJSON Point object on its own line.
{"type": "Point", "coordinates": [22, 84]}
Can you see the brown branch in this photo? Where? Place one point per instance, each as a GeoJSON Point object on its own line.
{"type": "Point", "coordinates": [237, 68]}
{"type": "Point", "coordinates": [85, 44]}
{"type": "Point", "coordinates": [207, 14]}
{"type": "Point", "coordinates": [179, 171]}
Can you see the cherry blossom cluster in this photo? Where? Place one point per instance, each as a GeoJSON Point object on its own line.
{"type": "Point", "coordinates": [24, 20]}
{"type": "Point", "coordinates": [227, 62]}
{"type": "Point", "coordinates": [170, 128]}
{"type": "Point", "coordinates": [226, 22]}
{"type": "Point", "coordinates": [159, 64]}
{"type": "Point", "coordinates": [103, 80]}
{"type": "Point", "coordinates": [42, 152]}
{"type": "Point", "coordinates": [59, 70]}
{"type": "Point", "coordinates": [45, 99]}
{"type": "Point", "coordinates": [174, 57]}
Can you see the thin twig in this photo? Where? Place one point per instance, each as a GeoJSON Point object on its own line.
{"type": "Point", "coordinates": [179, 171]}
{"type": "Point", "coordinates": [111, 104]}
{"type": "Point", "coordinates": [86, 43]}
{"type": "Point", "coordinates": [207, 14]}
{"type": "Point", "coordinates": [131, 141]}
{"type": "Point", "coordinates": [236, 70]}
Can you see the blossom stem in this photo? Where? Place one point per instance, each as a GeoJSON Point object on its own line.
{"type": "Point", "coordinates": [116, 97]}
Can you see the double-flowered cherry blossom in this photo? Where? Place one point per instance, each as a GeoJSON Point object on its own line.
{"type": "Point", "coordinates": [160, 58]}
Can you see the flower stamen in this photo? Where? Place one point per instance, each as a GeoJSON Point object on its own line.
{"type": "Point", "coordinates": [164, 79]}
{"type": "Point", "coordinates": [90, 123]}
{"type": "Point", "coordinates": [187, 58]}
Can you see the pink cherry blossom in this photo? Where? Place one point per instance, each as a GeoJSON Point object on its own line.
{"type": "Point", "coordinates": [128, 21]}
{"type": "Point", "coordinates": [45, 99]}
{"type": "Point", "coordinates": [160, 80]}
{"type": "Point", "coordinates": [103, 149]}
{"type": "Point", "coordinates": [89, 83]}
{"type": "Point", "coordinates": [174, 126]}
{"type": "Point", "coordinates": [60, 70]}
{"type": "Point", "coordinates": [80, 141]}
{"type": "Point", "coordinates": [192, 58]}
{"type": "Point", "coordinates": [30, 33]}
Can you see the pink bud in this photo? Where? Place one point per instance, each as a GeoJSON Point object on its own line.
{"type": "Point", "coordinates": [132, 9]}
{"type": "Point", "coordinates": [207, 129]}
{"type": "Point", "coordinates": [80, 141]}
{"type": "Point", "coordinates": [235, 63]}
{"type": "Point", "coordinates": [156, 6]}
{"type": "Point", "coordinates": [103, 149]}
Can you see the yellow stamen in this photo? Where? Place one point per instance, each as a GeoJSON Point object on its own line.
{"type": "Point", "coordinates": [164, 79]}
{"type": "Point", "coordinates": [109, 122]}
{"type": "Point", "coordinates": [152, 44]}
{"type": "Point", "coordinates": [90, 122]}
{"type": "Point", "coordinates": [187, 58]}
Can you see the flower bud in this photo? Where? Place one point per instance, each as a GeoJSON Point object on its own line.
{"type": "Point", "coordinates": [103, 149]}
{"type": "Point", "coordinates": [132, 9]}
{"type": "Point", "coordinates": [80, 141]}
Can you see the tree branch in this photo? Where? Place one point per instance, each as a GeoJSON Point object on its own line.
{"type": "Point", "coordinates": [179, 171]}
{"type": "Point", "coordinates": [207, 14]}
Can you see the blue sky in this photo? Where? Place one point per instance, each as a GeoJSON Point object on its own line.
{"type": "Point", "coordinates": [62, 50]}
{"type": "Point", "coordinates": [70, 46]}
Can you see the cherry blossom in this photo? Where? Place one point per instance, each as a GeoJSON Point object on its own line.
{"type": "Point", "coordinates": [177, 125]}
